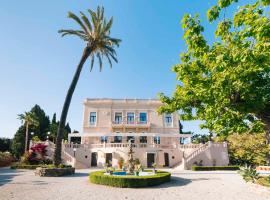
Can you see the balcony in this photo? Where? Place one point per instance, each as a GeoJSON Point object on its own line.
{"type": "Point", "coordinates": [121, 145]}
{"type": "Point", "coordinates": [130, 124]}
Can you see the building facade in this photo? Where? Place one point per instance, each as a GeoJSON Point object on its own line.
{"type": "Point", "coordinates": [110, 124]}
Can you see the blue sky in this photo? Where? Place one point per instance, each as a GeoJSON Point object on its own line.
{"type": "Point", "coordinates": [36, 64]}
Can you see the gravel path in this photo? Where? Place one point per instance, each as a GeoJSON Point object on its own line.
{"type": "Point", "coordinates": [186, 185]}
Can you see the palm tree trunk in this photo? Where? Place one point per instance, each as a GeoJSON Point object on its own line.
{"type": "Point", "coordinates": [62, 123]}
{"type": "Point", "coordinates": [26, 138]}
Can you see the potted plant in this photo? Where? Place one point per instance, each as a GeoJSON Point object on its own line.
{"type": "Point", "coordinates": [137, 169]}
{"type": "Point", "coordinates": [111, 170]}
{"type": "Point", "coordinates": [120, 163]}
{"type": "Point", "coordinates": [154, 165]}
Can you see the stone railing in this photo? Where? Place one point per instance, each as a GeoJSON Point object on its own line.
{"type": "Point", "coordinates": [120, 145]}
{"type": "Point", "coordinates": [196, 152]}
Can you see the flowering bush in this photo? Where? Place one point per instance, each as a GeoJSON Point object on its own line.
{"type": "Point", "coordinates": [36, 155]}
{"type": "Point", "coordinates": [5, 159]}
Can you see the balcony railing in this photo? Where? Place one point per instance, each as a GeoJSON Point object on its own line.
{"type": "Point", "coordinates": [130, 123]}
{"type": "Point", "coordinates": [121, 145]}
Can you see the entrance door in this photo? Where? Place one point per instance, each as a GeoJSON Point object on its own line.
{"type": "Point", "coordinates": [109, 159]}
{"type": "Point", "coordinates": [94, 159]}
{"type": "Point", "coordinates": [150, 159]}
{"type": "Point", "coordinates": [166, 159]}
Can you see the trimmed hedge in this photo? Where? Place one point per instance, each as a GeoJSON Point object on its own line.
{"type": "Point", "coordinates": [214, 168]}
{"type": "Point", "coordinates": [160, 177]}
{"type": "Point", "coordinates": [24, 166]}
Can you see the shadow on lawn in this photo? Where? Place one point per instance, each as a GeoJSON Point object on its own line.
{"type": "Point", "coordinates": [7, 174]}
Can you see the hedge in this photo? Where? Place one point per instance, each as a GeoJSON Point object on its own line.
{"type": "Point", "coordinates": [24, 166]}
{"type": "Point", "coordinates": [214, 168]}
{"type": "Point", "coordinates": [160, 177]}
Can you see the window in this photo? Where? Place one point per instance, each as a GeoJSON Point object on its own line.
{"type": "Point", "coordinates": [143, 139]}
{"type": "Point", "coordinates": [168, 119]}
{"type": "Point", "coordinates": [93, 118]}
{"type": "Point", "coordinates": [132, 138]}
{"type": "Point", "coordinates": [117, 139]}
{"type": "Point", "coordinates": [103, 139]}
{"type": "Point", "coordinates": [157, 140]}
{"type": "Point", "coordinates": [118, 117]}
{"type": "Point", "coordinates": [130, 118]}
{"type": "Point", "coordinates": [143, 118]}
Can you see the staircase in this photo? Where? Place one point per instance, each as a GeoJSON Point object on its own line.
{"type": "Point", "coordinates": [186, 160]}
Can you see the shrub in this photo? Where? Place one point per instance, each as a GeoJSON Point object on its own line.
{"type": "Point", "coordinates": [36, 155]}
{"type": "Point", "coordinates": [160, 177]}
{"type": "Point", "coordinates": [5, 159]}
{"type": "Point", "coordinates": [249, 174]}
{"type": "Point", "coordinates": [25, 166]}
{"type": "Point", "coordinates": [265, 181]}
{"type": "Point", "coordinates": [213, 168]}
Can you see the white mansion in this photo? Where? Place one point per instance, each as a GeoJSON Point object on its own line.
{"type": "Point", "coordinates": [109, 124]}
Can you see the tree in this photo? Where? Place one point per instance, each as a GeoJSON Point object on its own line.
{"type": "Point", "coordinates": [40, 131]}
{"type": "Point", "coordinates": [53, 129]}
{"type": "Point", "coordinates": [5, 144]}
{"type": "Point", "coordinates": [226, 84]}
{"type": "Point", "coordinates": [249, 149]}
{"type": "Point", "coordinates": [198, 138]}
{"type": "Point", "coordinates": [28, 119]}
{"type": "Point", "coordinates": [96, 35]}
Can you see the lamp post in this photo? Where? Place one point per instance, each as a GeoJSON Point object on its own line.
{"type": "Point", "coordinates": [48, 135]}
{"type": "Point", "coordinates": [31, 141]}
{"type": "Point", "coordinates": [74, 151]}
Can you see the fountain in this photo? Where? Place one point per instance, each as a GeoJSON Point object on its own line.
{"type": "Point", "coordinates": [129, 178]}
{"type": "Point", "coordinates": [130, 161]}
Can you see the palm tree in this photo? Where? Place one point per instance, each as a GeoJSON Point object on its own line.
{"type": "Point", "coordinates": [28, 119]}
{"type": "Point", "coordinates": [95, 32]}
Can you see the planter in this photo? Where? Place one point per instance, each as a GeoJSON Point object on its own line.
{"type": "Point", "coordinates": [54, 172]}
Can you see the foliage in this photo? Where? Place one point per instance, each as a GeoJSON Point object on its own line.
{"type": "Point", "coordinates": [214, 168]}
{"type": "Point", "coordinates": [5, 144]}
{"type": "Point", "coordinates": [95, 32]}
{"type": "Point", "coordinates": [250, 149]}
{"type": "Point", "coordinates": [160, 177]}
{"type": "Point", "coordinates": [264, 181]}
{"type": "Point", "coordinates": [226, 83]}
{"type": "Point", "coordinates": [36, 139]}
{"type": "Point", "coordinates": [5, 159]}
{"type": "Point", "coordinates": [36, 155]}
{"type": "Point", "coordinates": [25, 166]}
{"type": "Point", "coordinates": [40, 131]}
{"type": "Point", "coordinates": [249, 174]}
{"type": "Point", "coordinates": [198, 138]}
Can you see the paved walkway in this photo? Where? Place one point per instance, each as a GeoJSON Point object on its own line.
{"type": "Point", "coordinates": [185, 185]}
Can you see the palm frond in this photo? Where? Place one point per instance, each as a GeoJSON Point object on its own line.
{"type": "Point", "coordinates": [78, 20]}
{"type": "Point", "coordinates": [100, 61]}
{"type": "Point", "coordinates": [92, 62]}
{"type": "Point", "coordinates": [95, 31]}
{"type": "Point", "coordinates": [86, 22]}
{"type": "Point", "coordinates": [78, 33]}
